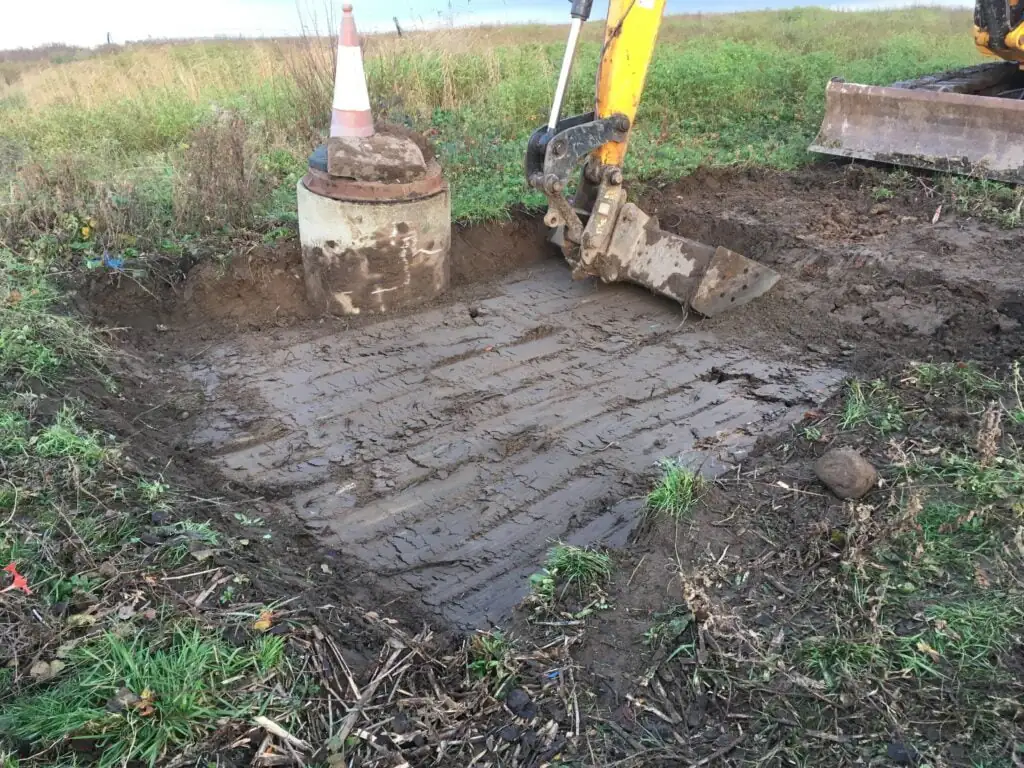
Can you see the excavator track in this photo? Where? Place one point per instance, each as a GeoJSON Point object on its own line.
{"type": "Point", "coordinates": [965, 121]}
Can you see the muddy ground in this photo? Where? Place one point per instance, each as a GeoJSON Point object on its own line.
{"type": "Point", "coordinates": [422, 464]}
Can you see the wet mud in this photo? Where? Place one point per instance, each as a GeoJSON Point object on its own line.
{"type": "Point", "coordinates": [440, 451]}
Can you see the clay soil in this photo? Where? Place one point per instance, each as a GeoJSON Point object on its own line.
{"type": "Point", "coordinates": [419, 466]}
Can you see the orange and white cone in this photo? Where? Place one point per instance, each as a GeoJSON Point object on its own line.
{"type": "Point", "coordinates": [350, 111]}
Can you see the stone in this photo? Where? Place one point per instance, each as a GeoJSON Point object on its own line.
{"type": "Point", "coordinates": [520, 704]}
{"type": "Point", "coordinates": [1006, 324]}
{"type": "Point", "coordinates": [901, 754]}
{"type": "Point", "coordinates": [846, 473]}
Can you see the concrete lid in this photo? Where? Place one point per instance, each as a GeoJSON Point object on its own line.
{"type": "Point", "coordinates": [383, 158]}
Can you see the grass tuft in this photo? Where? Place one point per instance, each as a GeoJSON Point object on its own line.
{"type": "Point", "coordinates": [568, 568]}
{"type": "Point", "coordinates": [677, 492]}
{"type": "Point", "coordinates": [139, 699]}
{"type": "Point", "coordinates": [490, 657]}
{"type": "Point", "coordinates": [873, 404]}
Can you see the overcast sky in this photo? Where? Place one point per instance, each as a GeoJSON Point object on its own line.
{"type": "Point", "coordinates": [27, 23]}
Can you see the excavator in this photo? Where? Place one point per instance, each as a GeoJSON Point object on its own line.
{"type": "Point", "coordinates": [966, 121]}
{"type": "Point", "coordinates": [601, 233]}
{"type": "Point", "coordinates": [962, 121]}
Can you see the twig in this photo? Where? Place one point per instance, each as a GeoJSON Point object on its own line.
{"type": "Point", "coordinates": [635, 570]}
{"type": "Point", "coordinates": [270, 726]}
{"type": "Point", "coordinates": [209, 590]}
{"type": "Point", "coordinates": [719, 753]}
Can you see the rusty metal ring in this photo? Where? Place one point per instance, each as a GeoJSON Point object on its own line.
{"type": "Point", "coordinates": [320, 183]}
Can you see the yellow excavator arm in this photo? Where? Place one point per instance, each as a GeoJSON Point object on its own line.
{"type": "Point", "coordinates": [600, 233]}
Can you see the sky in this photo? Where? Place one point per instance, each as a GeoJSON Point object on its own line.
{"type": "Point", "coordinates": [28, 23]}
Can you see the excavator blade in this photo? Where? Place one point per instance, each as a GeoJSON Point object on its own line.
{"type": "Point", "coordinates": [709, 279]}
{"type": "Point", "coordinates": [965, 122]}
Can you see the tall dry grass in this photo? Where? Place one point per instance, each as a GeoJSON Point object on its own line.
{"type": "Point", "coordinates": [732, 88]}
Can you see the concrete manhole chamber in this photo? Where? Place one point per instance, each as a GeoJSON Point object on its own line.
{"type": "Point", "coordinates": [374, 224]}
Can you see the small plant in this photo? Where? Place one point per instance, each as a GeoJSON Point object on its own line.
{"type": "Point", "coordinates": [152, 491]}
{"type": "Point", "coordinates": [570, 567]}
{"type": "Point", "coordinates": [490, 658]}
{"type": "Point", "coordinates": [833, 659]}
{"type": "Point", "coordinates": [66, 439]}
{"type": "Point", "coordinates": [676, 493]}
{"type": "Point", "coordinates": [1002, 478]}
{"type": "Point", "coordinates": [812, 434]}
{"type": "Point", "coordinates": [64, 588]}
{"type": "Point", "coordinates": [668, 629]}
{"type": "Point", "coordinates": [873, 404]}
{"type": "Point", "coordinates": [878, 194]}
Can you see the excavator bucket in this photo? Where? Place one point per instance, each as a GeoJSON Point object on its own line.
{"type": "Point", "coordinates": [709, 279]}
{"type": "Point", "coordinates": [967, 122]}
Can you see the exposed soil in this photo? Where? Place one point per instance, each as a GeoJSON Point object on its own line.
{"type": "Point", "coordinates": [262, 287]}
{"type": "Point", "coordinates": [430, 458]}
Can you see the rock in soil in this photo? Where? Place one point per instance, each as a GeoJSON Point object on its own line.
{"type": "Point", "coordinates": [901, 754]}
{"type": "Point", "coordinates": [520, 704]}
{"type": "Point", "coordinates": [846, 473]}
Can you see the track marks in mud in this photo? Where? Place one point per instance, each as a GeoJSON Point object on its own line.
{"type": "Point", "coordinates": [445, 452]}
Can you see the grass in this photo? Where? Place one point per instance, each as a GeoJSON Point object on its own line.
{"type": "Point", "coordinates": [82, 667]}
{"type": "Point", "coordinates": [908, 624]}
{"type": "Point", "coordinates": [872, 403]}
{"type": "Point", "coordinates": [677, 492]}
{"type": "Point", "coordinates": [580, 571]}
{"type": "Point", "coordinates": [146, 116]}
{"type": "Point", "coordinates": [964, 377]}
{"type": "Point", "coordinates": [120, 153]}
{"type": "Point", "coordinates": [138, 699]}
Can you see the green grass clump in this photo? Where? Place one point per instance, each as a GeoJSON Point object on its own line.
{"type": "Point", "coordinates": [872, 403]}
{"type": "Point", "coordinates": [985, 483]}
{"type": "Point", "coordinates": [676, 493]}
{"type": "Point", "coordinates": [570, 568]}
{"type": "Point", "coordinates": [139, 699]}
{"type": "Point", "coordinates": [37, 343]}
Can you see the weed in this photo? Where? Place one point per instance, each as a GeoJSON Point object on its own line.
{"type": "Point", "coordinates": [1001, 478]}
{"type": "Point", "coordinates": [964, 378]}
{"type": "Point", "coordinates": [834, 659]}
{"type": "Point", "coordinates": [218, 181]}
{"type": "Point", "coordinates": [873, 404]}
{"type": "Point", "coordinates": [140, 699]}
{"type": "Point", "coordinates": [986, 199]}
{"type": "Point", "coordinates": [676, 493]}
{"type": "Point", "coordinates": [882, 193]}
{"type": "Point", "coordinates": [567, 566]}
{"type": "Point", "coordinates": [490, 658]}
{"type": "Point", "coordinates": [812, 434]}
{"type": "Point", "coordinates": [187, 536]}
{"type": "Point", "coordinates": [152, 491]}
{"type": "Point", "coordinates": [668, 629]}
{"type": "Point", "coordinates": [65, 439]}
{"type": "Point", "coordinates": [974, 634]}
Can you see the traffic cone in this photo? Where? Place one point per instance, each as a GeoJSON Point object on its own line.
{"type": "Point", "coordinates": [350, 111]}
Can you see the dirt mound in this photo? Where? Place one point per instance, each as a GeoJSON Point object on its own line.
{"type": "Point", "coordinates": [863, 282]}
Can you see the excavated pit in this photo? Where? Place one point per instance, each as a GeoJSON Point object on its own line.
{"type": "Point", "coordinates": [447, 450]}
{"type": "Point", "coordinates": [443, 450]}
